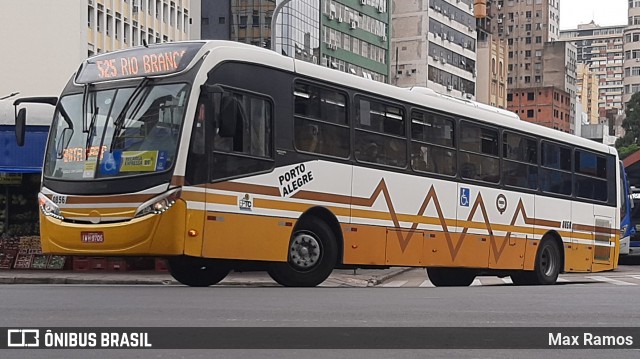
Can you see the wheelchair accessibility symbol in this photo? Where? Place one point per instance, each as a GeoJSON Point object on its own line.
{"type": "Point", "coordinates": [464, 197]}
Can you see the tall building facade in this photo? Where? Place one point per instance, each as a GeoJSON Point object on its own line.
{"type": "Point", "coordinates": [347, 35]}
{"type": "Point", "coordinates": [631, 48]}
{"type": "Point", "coordinates": [355, 37]}
{"type": "Point", "coordinates": [491, 82]}
{"type": "Point", "coordinates": [538, 68]}
{"type": "Point", "coordinates": [601, 49]}
{"type": "Point", "coordinates": [587, 93]}
{"type": "Point", "coordinates": [434, 45]}
{"type": "Point", "coordinates": [66, 32]}
{"type": "Point", "coordinates": [116, 24]}
{"type": "Point", "coordinates": [526, 26]}
{"type": "Point", "coordinates": [491, 64]}
{"type": "Point", "coordinates": [559, 70]}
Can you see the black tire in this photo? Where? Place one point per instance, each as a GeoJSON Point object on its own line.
{"type": "Point", "coordinates": [197, 272]}
{"type": "Point", "coordinates": [546, 268]}
{"type": "Point", "coordinates": [312, 255]}
{"type": "Point", "coordinates": [451, 277]}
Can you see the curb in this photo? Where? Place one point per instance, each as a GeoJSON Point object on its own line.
{"type": "Point", "coordinates": [357, 280]}
{"type": "Point", "coordinates": [378, 280]}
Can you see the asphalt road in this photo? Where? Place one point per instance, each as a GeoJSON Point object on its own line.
{"type": "Point", "coordinates": [580, 302]}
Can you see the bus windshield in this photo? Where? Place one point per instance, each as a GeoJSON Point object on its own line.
{"type": "Point", "coordinates": [116, 132]}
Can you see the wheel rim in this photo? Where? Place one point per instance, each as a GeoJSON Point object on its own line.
{"type": "Point", "coordinates": [304, 252]}
{"type": "Point", "coordinates": [548, 261]}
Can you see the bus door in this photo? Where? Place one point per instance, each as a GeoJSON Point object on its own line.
{"type": "Point", "coordinates": [604, 249]}
{"type": "Point", "coordinates": [240, 170]}
{"type": "Point", "coordinates": [579, 252]}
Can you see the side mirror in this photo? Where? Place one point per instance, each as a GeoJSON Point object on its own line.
{"type": "Point", "coordinates": [21, 123]}
{"type": "Point", "coordinates": [230, 113]}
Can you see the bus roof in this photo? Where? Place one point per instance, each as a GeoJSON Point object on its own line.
{"type": "Point", "coordinates": [419, 96]}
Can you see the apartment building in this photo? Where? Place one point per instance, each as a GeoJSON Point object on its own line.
{"type": "Point", "coordinates": [355, 37]}
{"type": "Point", "coordinates": [587, 93]}
{"type": "Point", "coordinates": [538, 66]}
{"type": "Point", "coordinates": [631, 47]}
{"type": "Point", "coordinates": [434, 45]}
{"type": "Point", "coordinates": [61, 34]}
{"type": "Point", "coordinates": [348, 35]}
{"type": "Point", "coordinates": [526, 26]}
{"type": "Point", "coordinates": [116, 24]}
{"type": "Point", "coordinates": [491, 64]}
{"type": "Point", "coordinates": [601, 49]}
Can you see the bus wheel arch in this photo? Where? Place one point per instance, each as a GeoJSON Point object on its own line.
{"type": "Point", "coordinates": [313, 252]}
{"type": "Point", "coordinates": [330, 219]}
{"type": "Point", "coordinates": [197, 271]}
{"type": "Point", "coordinates": [555, 236]}
{"type": "Point", "coordinates": [549, 262]}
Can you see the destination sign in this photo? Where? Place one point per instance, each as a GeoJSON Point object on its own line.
{"type": "Point", "coordinates": [142, 61]}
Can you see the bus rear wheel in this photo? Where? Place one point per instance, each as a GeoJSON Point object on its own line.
{"type": "Point", "coordinates": [197, 272]}
{"type": "Point", "coordinates": [451, 277]}
{"type": "Point", "coordinates": [311, 257]}
{"type": "Point", "coordinates": [546, 268]}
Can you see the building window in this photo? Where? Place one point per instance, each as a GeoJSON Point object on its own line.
{"type": "Point", "coordinates": [222, 20]}
{"type": "Point", "coordinates": [529, 113]}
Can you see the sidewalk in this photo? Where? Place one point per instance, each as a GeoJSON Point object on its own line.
{"type": "Point", "coordinates": [339, 278]}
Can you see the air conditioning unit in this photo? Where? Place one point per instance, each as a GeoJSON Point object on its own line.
{"type": "Point", "coordinates": [499, 21]}
{"type": "Point", "coordinates": [638, 59]}
{"type": "Point", "coordinates": [438, 8]}
{"type": "Point", "coordinates": [465, 45]}
{"type": "Point", "coordinates": [408, 72]}
{"type": "Point", "coordinates": [331, 16]}
{"type": "Point", "coordinates": [354, 25]}
{"type": "Point", "coordinates": [444, 36]}
{"type": "Point", "coordinates": [333, 46]}
{"type": "Point", "coordinates": [384, 37]}
{"type": "Point", "coordinates": [435, 58]}
{"type": "Point", "coordinates": [339, 18]}
{"type": "Point", "coordinates": [380, 9]}
{"type": "Point", "coordinates": [363, 2]}
{"type": "Point", "coordinates": [443, 60]}
{"type": "Point", "coordinates": [470, 29]}
{"type": "Point", "coordinates": [449, 88]}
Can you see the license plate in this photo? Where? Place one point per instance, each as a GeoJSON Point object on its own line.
{"type": "Point", "coordinates": [92, 237]}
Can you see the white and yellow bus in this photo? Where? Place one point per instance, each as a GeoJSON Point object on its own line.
{"type": "Point", "coordinates": [223, 156]}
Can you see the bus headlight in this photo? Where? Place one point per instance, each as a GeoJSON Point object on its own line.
{"type": "Point", "coordinates": [49, 208]}
{"type": "Point", "coordinates": [158, 204]}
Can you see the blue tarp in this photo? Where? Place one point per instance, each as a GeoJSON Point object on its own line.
{"type": "Point", "coordinates": [26, 159]}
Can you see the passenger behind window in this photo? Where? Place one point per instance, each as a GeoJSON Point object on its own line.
{"type": "Point", "coordinates": [371, 153]}
{"type": "Point", "coordinates": [307, 138]}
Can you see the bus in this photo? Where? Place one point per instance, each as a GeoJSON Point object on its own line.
{"type": "Point", "coordinates": [627, 225]}
{"type": "Point", "coordinates": [634, 237]}
{"type": "Point", "coordinates": [221, 156]}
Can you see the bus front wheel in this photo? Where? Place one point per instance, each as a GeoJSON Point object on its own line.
{"type": "Point", "coordinates": [451, 277]}
{"type": "Point", "coordinates": [197, 272]}
{"type": "Point", "coordinates": [311, 257]}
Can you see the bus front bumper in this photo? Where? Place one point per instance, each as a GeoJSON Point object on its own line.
{"type": "Point", "coordinates": [151, 235]}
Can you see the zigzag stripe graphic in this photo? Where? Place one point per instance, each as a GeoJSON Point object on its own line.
{"type": "Point", "coordinates": [381, 189]}
{"type": "Point", "coordinates": [454, 249]}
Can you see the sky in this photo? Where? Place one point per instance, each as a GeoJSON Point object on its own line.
{"type": "Point", "coordinates": [604, 12]}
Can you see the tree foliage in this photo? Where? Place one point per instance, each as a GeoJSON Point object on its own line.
{"type": "Point", "coordinates": [631, 124]}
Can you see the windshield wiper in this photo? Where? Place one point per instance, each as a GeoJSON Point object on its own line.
{"type": "Point", "coordinates": [90, 130]}
{"type": "Point", "coordinates": [119, 121]}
